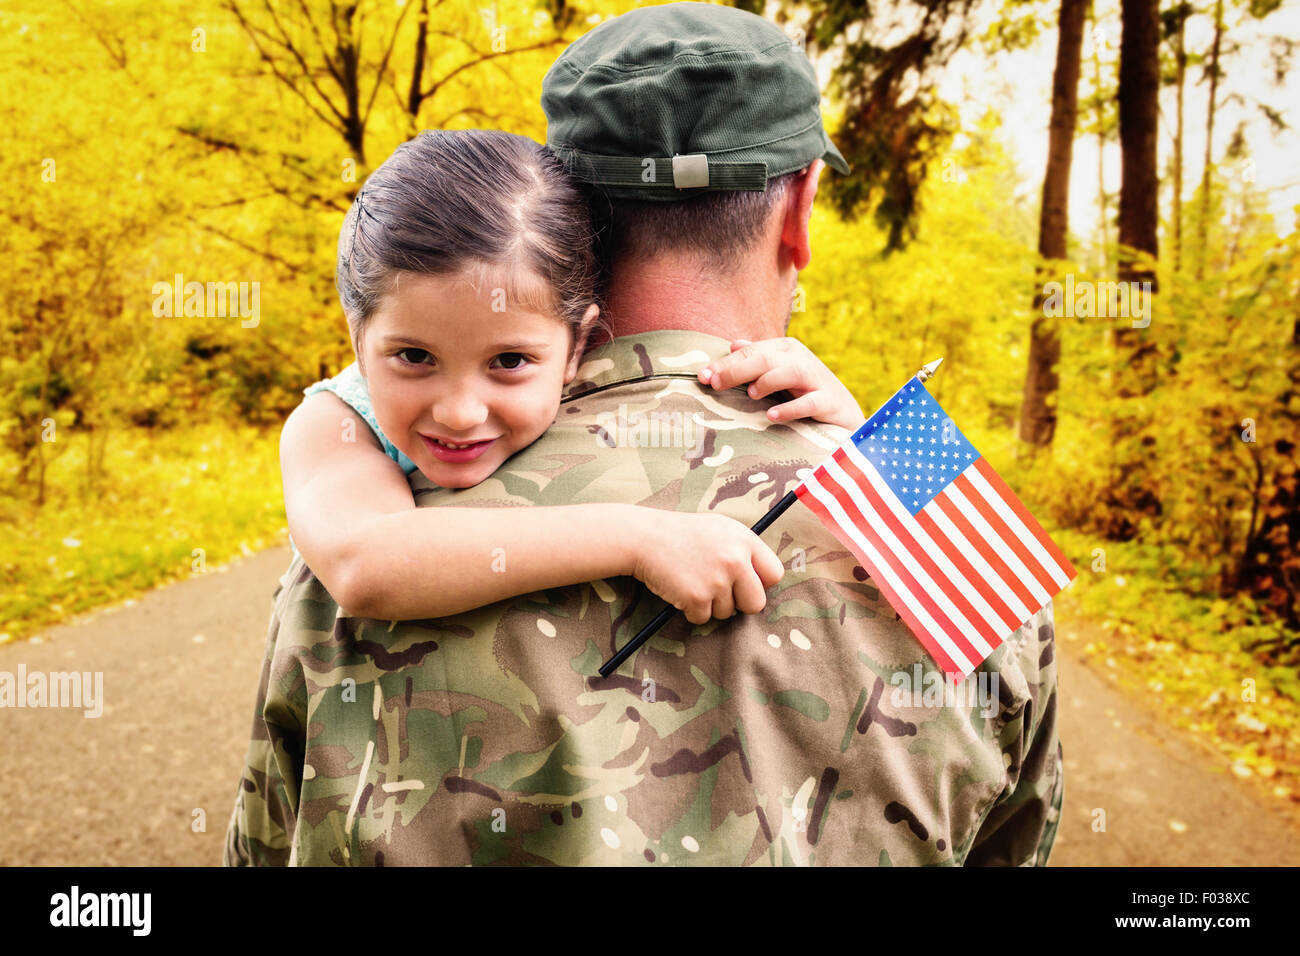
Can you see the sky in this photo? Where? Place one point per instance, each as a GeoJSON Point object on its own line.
{"type": "Point", "coordinates": [1019, 86]}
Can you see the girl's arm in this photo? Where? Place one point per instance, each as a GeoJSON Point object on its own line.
{"type": "Point", "coordinates": [775, 365]}
{"type": "Point", "coordinates": [354, 520]}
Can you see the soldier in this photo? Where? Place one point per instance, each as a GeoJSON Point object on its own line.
{"type": "Point", "coordinates": [774, 738]}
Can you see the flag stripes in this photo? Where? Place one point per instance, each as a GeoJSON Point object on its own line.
{"type": "Point", "coordinates": [917, 617]}
{"type": "Point", "coordinates": [963, 572]}
{"type": "Point", "coordinates": [915, 571]}
{"type": "Point", "coordinates": [920, 540]}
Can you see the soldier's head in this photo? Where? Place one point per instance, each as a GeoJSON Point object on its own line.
{"type": "Point", "coordinates": [694, 126]}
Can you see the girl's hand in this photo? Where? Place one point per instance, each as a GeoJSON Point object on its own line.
{"type": "Point", "coordinates": [775, 365]}
{"type": "Point", "coordinates": [705, 565]}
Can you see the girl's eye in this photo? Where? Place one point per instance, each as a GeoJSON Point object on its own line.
{"type": "Point", "coordinates": [512, 361]}
{"type": "Point", "coordinates": [419, 356]}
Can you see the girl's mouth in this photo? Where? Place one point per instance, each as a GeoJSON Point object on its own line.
{"type": "Point", "coordinates": [456, 455]}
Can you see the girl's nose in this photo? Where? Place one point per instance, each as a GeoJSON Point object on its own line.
{"type": "Point", "coordinates": [459, 411]}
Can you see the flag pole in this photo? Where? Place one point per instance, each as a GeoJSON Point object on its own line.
{"type": "Point", "coordinates": [663, 616]}
{"type": "Point", "coordinates": [659, 620]}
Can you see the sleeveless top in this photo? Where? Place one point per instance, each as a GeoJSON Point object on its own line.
{"type": "Point", "coordinates": [351, 387]}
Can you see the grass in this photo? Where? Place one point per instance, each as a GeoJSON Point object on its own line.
{"type": "Point", "coordinates": [170, 504]}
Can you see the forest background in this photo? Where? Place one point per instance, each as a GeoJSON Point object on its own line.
{"type": "Point", "coordinates": [150, 145]}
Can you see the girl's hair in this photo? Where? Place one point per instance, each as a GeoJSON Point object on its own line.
{"type": "Point", "coordinates": [498, 206]}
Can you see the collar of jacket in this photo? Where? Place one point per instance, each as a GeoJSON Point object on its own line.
{"type": "Point", "coordinates": [671, 353]}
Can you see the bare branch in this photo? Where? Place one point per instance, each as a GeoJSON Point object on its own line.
{"type": "Point", "coordinates": [483, 59]}
{"type": "Point", "coordinates": [293, 51]}
{"type": "Point", "coordinates": [265, 254]}
{"type": "Point", "coordinates": [383, 65]}
{"type": "Point", "coordinates": [494, 118]}
{"type": "Point", "coordinates": [320, 42]}
{"type": "Point", "coordinates": [118, 55]}
{"type": "Point", "coordinates": [269, 60]}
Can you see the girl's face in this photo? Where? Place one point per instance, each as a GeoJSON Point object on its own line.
{"type": "Point", "coordinates": [444, 368]}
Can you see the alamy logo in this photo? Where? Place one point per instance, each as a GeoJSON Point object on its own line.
{"type": "Point", "coordinates": [1103, 300]}
{"type": "Point", "coordinates": [652, 429]}
{"type": "Point", "coordinates": [102, 909]}
{"type": "Point", "coordinates": [933, 688]}
{"type": "Point", "coordinates": [84, 689]}
{"type": "Point", "coordinates": [208, 300]}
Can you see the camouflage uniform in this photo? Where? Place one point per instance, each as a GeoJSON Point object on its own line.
{"type": "Point", "coordinates": [773, 738]}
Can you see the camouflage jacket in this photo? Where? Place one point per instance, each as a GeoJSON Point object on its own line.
{"type": "Point", "coordinates": [799, 735]}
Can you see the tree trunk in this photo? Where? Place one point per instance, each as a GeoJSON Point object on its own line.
{"type": "Point", "coordinates": [1129, 495]}
{"type": "Point", "coordinates": [414, 97]}
{"type": "Point", "coordinates": [1099, 117]}
{"type": "Point", "coordinates": [1038, 411]}
{"type": "Point", "coordinates": [1139, 88]}
{"type": "Point", "coordinates": [1180, 74]}
{"type": "Point", "coordinates": [1204, 225]}
{"type": "Point", "coordinates": [1101, 194]}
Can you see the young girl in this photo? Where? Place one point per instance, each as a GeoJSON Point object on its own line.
{"type": "Point", "coordinates": [467, 272]}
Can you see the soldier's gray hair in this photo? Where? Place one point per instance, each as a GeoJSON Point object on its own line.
{"type": "Point", "coordinates": [716, 226]}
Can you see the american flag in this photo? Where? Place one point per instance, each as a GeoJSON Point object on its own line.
{"type": "Point", "coordinates": [947, 542]}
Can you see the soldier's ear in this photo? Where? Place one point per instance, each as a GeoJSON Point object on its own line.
{"type": "Point", "coordinates": [580, 342]}
{"type": "Point", "coordinates": [798, 204]}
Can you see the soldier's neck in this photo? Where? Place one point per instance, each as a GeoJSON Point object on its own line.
{"type": "Point", "coordinates": [675, 293]}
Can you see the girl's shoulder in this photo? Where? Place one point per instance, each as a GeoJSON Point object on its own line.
{"type": "Point", "coordinates": [350, 386]}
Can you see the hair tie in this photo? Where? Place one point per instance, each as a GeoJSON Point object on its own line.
{"type": "Point", "coordinates": [356, 223]}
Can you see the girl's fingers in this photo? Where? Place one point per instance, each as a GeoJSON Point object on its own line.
{"type": "Point", "coordinates": [805, 406]}
{"type": "Point", "coordinates": [750, 595]}
{"type": "Point", "coordinates": [781, 378]}
{"type": "Point", "coordinates": [723, 606]}
{"type": "Point", "coordinates": [697, 613]}
{"type": "Point", "coordinates": [768, 566]}
{"type": "Point", "coordinates": [743, 365]}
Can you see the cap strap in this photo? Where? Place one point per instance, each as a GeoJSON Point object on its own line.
{"type": "Point", "coordinates": [663, 174]}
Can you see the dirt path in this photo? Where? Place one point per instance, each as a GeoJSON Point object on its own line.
{"type": "Point", "coordinates": [180, 668]}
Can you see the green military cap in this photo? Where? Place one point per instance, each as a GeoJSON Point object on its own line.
{"type": "Point", "coordinates": [666, 102]}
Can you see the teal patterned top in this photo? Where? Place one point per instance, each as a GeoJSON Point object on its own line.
{"type": "Point", "coordinates": [351, 387]}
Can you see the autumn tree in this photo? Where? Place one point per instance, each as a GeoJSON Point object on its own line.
{"type": "Point", "coordinates": [1038, 412]}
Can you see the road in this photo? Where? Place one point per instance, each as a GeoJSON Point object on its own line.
{"type": "Point", "coordinates": [152, 780]}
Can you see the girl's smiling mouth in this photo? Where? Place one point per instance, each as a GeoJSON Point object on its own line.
{"type": "Point", "coordinates": [458, 453]}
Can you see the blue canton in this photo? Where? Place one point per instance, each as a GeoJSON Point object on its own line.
{"type": "Point", "coordinates": [915, 446]}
